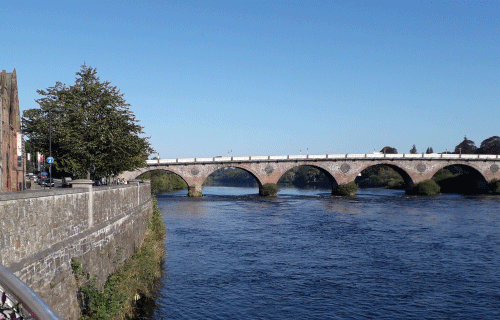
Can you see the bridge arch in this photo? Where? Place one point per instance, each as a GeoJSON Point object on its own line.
{"type": "Point", "coordinates": [152, 170]}
{"type": "Point", "coordinates": [237, 166]}
{"type": "Point", "coordinates": [332, 182]}
{"type": "Point", "coordinates": [461, 178]}
{"type": "Point", "coordinates": [472, 165]}
{"type": "Point", "coordinates": [407, 178]}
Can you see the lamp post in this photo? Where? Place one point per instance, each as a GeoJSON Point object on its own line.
{"type": "Point", "coordinates": [50, 142]}
{"type": "Point", "coordinates": [23, 153]}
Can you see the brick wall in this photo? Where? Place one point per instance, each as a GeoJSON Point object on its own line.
{"type": "Point", "coordinates": [41, 231]}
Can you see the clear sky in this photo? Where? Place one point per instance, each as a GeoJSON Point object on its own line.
{"type": "Point", "coordinates": [273, 77]}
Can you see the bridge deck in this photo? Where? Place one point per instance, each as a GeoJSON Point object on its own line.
{"type": "Point", "coordinates": [348, 156]}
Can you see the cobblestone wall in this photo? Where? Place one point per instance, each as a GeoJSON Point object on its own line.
{"type": "Point", "coordinates": [41, 232]}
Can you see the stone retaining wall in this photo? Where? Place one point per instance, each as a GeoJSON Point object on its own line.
{"type": "Point", "coordinates": [42, 231]}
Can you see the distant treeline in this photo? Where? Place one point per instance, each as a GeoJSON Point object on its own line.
{"type": "Point", "coordinates": [163, 181]}
{"type": "Point", "coordinates": [231, 177]}
{"type": "Point", "coordinates": [488, 146]}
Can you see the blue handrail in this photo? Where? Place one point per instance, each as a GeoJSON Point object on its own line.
{"type": "Point", "coordinates": [18, 292]}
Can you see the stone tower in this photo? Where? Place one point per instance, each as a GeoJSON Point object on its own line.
{"type": "Point", "coordinates": [11, 168]}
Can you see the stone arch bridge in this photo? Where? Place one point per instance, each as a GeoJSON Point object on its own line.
{"type": "Point", "coordinates": [340, 168]}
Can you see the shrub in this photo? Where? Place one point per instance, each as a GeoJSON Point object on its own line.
{"type": "Point", "coordinates": [425, 188]}
{"type": "Point", "coordinates": [269, 190]}
{"type": "Point", "coordinates": [494, 186]}
{"type": "Point", "coordinates": [347, 190]}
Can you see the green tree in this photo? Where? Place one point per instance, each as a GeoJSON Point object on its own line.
{"type": "Point", "coordinates": [93, 131]}
{"type": "Point", "coordinates": [490, 146]}
{"type": "Point", "coordinates": [466, 147]}
{"type": "Point", "coordinates": [413, 150]}
{"type": "Point", "coordinates": [389, 150]}
{"type": "Point", "coordinates": [429, 150]}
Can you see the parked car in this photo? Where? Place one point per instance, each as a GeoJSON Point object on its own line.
{"type": "Point", "coordinates": [67, 182]}
{"type": "Point", "coordinates": [47, 182]}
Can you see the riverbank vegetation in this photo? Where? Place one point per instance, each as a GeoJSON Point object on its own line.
{"type": "Point", "coordinates": [305, 176]}
{"type": "Point", "coordinates": [132, 287]}
{"type": "Point", "coordinates": [347, 190]}
{"type": "Point", "coordinates": [163, 181]}
{"type": "Point", "coordinates": [380, 176]}
{"type": "Point", "coordinates": [269, 190]}
{"type": "Point", "coordinates": [231, 176]}
{"type": "Point", "coordinates": [425, 188]}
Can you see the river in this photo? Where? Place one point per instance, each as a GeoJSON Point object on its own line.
{"type": "Point", "coordinates": [308, 255]}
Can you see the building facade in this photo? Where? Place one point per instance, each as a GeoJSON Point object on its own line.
{"type": "Point", "coordinates": [11, 160]}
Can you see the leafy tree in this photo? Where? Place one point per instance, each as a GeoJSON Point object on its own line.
{"type": "Point", "coordinates": [413, 150]}
{"type": "Point", "coordinates": [466, 147]}
{"type": "Point", "coordinates": [429, 150]}
{"type": "Point", "coordinates": [389, 150]}
{"type": "Point", "coordinates": [490, 146]}
{"type": "Point", "coordinates": [93, 131]}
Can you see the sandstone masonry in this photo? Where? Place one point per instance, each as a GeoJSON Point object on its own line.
{"type": "Point", "coordinates": [42, 231]}
{"type": "Point", "coordinates": [11, 168]}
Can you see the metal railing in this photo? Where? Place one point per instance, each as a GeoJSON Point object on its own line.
{"type": "Point", "coordinates": [349, 156]}
{"type": "Point", "coordinates": [32, 306]}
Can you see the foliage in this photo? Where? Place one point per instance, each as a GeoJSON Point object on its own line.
{"type": "Point", "coordinates": [389, 150]}
{"type": "Point", "coordinates": [347, 190]}
{"type": "Point", "coordinates": [460, 179]}
{"type": "Point", "coordinates": [380, 176]}
{"type": "Point", "coordinates": [444, 174]}
{"type": "Point", "coordinates": [429, 150]}
{"type": "Point", "coordinates": [490, 146]}
{"type": "Point", "coordinates": [231, 176]}
{"type": "Point", "coordinates": [93, 130]}
{"type": "Point", "coordinates": [466, 147]}
{"type": "Point", "coordinates": [269, 190]}
{"type": "Point", "coordinates": [413, 150]}
{"type": "Point", "coordinates": [494, 186]}
{"type": "Point", "coordinates": [163, 181]}
{"type": "Point", "coordinates": [133, 284]}
{"type": "Point", "coordinates": [305, 176]}
{"type": "Point", "coordinates": [425, 188]}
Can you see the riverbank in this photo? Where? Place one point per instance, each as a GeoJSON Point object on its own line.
{"type": "Point", "coordinates": [129, 290]}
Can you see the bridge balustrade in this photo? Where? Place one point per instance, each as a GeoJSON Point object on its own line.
{"type": "Point", "coordinates": [259, 157]}
{"type": "Point", "coordinates": [488, 156]}
{"type": "Point", "coordinates": [327, 156]}
{"type": "Point", "coordinates": [278, 157]}
{"type": "Point", "coordinates": [355, 155]}
{"type": "Point", "coordinates": [468, 156]}
{"type": "Point", "coordinates": [391, 155]}
{"type": "Point", "coordinates": [317, 156]}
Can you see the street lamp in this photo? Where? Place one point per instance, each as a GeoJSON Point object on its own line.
{"type": "Point", "coordinates": [50, 142]}
{"type": "Point", "coordinates": [23, 155]}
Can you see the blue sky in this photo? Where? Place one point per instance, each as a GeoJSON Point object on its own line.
{"type": "Point", "coordinates": [273, 77]}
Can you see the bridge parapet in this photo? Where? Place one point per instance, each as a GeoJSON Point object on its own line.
{"type": "Point", "coordinates": [332, 157]}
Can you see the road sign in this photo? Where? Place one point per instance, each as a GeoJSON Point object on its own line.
{"type": "Point", "coordinates": [50, 160]}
